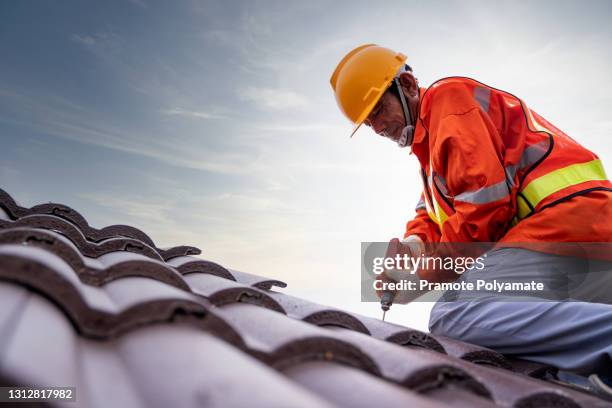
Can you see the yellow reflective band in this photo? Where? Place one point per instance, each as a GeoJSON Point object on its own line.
{"type": "Point", "coordinates": [433, 217]}
{"type": "Point", "coordinates": [438, 215]}
{"type": "Point", "coordinates": [523, 209]}
{"type": "Point", "coordinates": [440, 212]}
{"type": "Point", "coordinates": [557, 180]}
{"type": "Point", "coordinates": [431, 213]}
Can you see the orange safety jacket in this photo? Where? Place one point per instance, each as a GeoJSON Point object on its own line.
{"type": "Point", "coordinates": [494, 170]}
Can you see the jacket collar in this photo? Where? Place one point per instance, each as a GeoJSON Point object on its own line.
{"type": "Point", "coordinates": [420, 143]}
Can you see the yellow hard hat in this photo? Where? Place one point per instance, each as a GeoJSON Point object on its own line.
{"type": "Point", "coordinates": [362, 77]}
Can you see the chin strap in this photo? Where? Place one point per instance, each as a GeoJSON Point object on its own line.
{"type": "Point", "coordinates": [407, 135]}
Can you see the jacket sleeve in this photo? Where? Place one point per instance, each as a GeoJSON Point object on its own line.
{"type": "Point", "coordinates": [422, 225]}
{"type": "Point", "coordinates": [467, 151]}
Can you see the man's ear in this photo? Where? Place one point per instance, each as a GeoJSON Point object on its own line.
{"type": "Point", "coordinates": [409, 83]}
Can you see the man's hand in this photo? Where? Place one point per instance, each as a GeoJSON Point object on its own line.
{"type": "Point", "coordinates": [411, 246]}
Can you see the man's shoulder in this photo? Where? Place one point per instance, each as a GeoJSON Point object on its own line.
{"type": "Point", "coordinates": [455, 84]}
{"type": "Point", "coordinates": [454, 93]}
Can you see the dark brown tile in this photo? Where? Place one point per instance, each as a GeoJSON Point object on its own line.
{"type": "Point", "coordinates": [352, 388]}
{"type": "Point", "coordinates": [104, 312]}
{"type": "Point", "coordinates": [94, 271]}
{"type": "Point", "coordinates": [425, 370]}
{"type": "Point", "coordinates": [190, 264]}
{"type": "Point", "coordinates": [257, 281]}
{"type": "Point", "coordinates": [92, 234]}
{"type": "Point", "coordinates": [115, 265]}
{"type": "Point", "coordinates": [220, 291]}
{"type": "Point", "coordinates": [53, 223]}
{"type": "Point", "coordinates": [532, 369]}
{"type": "Point", "coordinates": [399, 334]}
{"type": "Point", "coordinates": [473, 353]}
{"type": "Point", "coordinates": [282, 342]}
{"type": "Point", "coordinates": [182, 250]}
{"type": "Point", "coordinates": [318, 314]}
{"type": "Point", "coordinates": [12, 208]}
{"type": "Point", "coordinates": [418, 369]}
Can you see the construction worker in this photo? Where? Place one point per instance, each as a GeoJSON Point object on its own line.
{"type": "Point", "coordinates": [492, 170]}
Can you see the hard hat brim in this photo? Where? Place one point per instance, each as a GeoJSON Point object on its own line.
{"type": "Point", "coordinates": [355, 129]}
{"type": "Point", "coordinates": [366, 112]}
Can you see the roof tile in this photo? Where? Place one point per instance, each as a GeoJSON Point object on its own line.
{"type": "Point", "coordinates": [220, 291]}
{"type": "Point", "coordinates": [532, 368]}
{"type": "Point", "coordinates": [428, 370]}
{"type": "Point", "coordinates": [95, 271]}
{"type": "Point", "coordinates": [473, 353]}
{"type": "Point", "coordinates": [106, 311]}
{"type": "Point", "coordinates": [42, 347]}
{"type": "Point", "coordinates": [283, 342]}
{"type": "Point", "coordinates": [349, 387]}
{"type": "Point", "coordinates": [418, 369]}
{"type": "Point", "coordinates": [70, 231]}
{"type": "Point", "coordinates": [181, 366]}
{"type": "Point", "coordinates": [190, 264]}
{"type": "Point", "coordinates": [257, 281]}
{"type": "Point", "coordinates": [318, 314]}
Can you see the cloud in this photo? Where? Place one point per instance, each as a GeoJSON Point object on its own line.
{"type": "Point", "coordinates": [63, 119]}
{"type": "Point", "coordinates": [105, 45]}
{"type": "Point", "coordinates": [83, 39]}
{"type": "Point", "coordinates": [274, 99]}
{"type": "Point", "coordinates": [175, 154]}
{"type": "Point", "coordinates": [143, 208]}
{"type": "Point", "coordinates": [155, 214]}
{"type": "Point", "coordinates": [193, 114]}
{"type": "Point", "coordinates": [319, 128]}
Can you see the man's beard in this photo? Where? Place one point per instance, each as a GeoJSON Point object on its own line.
{"type": "Point", "coordinates": [402, 137]}
{"type": "Point", "coordinates": [393, 133]}
{"type": "Point", "coordinates": [406, 136]}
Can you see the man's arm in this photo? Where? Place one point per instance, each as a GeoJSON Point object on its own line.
{"type": "Point", "coordinates": [422, 225]}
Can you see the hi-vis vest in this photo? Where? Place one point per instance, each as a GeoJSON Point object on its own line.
{"type": "Point", "coordinates": [543, 165]}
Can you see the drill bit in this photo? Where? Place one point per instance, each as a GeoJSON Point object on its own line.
{"type": "Point", "coordinates": [386, 300]}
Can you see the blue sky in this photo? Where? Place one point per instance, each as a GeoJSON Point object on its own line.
{"type": "Point", "coordinates": [213, 123]}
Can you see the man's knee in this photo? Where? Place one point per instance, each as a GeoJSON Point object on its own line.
{"type": "Point", "coordinates": [468, 321]}
{"type": "Point", "coordinates": [444, 319]}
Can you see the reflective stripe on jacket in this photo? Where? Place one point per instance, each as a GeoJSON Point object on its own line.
{"type": "Point", "coordinates": [489, 163]}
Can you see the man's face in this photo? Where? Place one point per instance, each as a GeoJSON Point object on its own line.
{"type": "Point", "coordinates": [387, 118]}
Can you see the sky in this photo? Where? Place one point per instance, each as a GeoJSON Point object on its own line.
{"type": "Point", "coordinates": [212, 123]}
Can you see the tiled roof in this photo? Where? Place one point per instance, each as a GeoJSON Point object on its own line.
{"type": "Point", "coordinates": [133, 325]}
